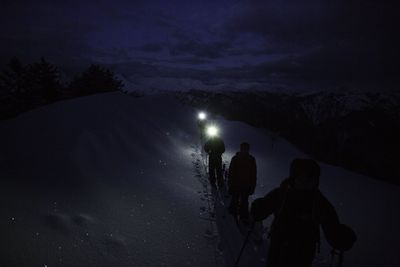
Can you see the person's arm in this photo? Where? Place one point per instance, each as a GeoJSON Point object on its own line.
{"type": "Point", "coordinates": [261, 208]}
{"type": "Point", "coordinates": [339, 236]}
{"type": "Point", "coordinates": [329, 220]}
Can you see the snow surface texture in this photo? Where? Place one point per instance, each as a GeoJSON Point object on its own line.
{"type": "Point", "coordinates": [105, 180]}
{"type": "Point", "coordinates": [111, 180]}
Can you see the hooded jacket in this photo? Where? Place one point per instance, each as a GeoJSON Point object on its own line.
{"type": "Point", "coordinates": [214, 147]}
{"type": "Point", "coordinates": [298, 215]}
{"type": "Point", "coordinates": [242, 173]}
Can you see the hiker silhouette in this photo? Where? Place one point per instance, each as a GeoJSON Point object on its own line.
{"type": "Point", "coordinates": [242, 181]}
{"type": "Point", "coordinates": [215, 147]}
{"type": "Point", "coordinates": [299, 209]}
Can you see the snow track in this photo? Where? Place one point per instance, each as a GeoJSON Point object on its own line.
{"type": "Point", "coordinates": [207, 212]}
{"type": "Point", "coordinates": [223, 228]}
{"type": "Point", "coordinates": [111, 180]}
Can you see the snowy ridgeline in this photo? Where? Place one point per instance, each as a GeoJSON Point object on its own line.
{"type": "Point", "coordinates": [111, 180]}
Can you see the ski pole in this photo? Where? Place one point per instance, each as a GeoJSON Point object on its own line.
{"type": "Point", "coordinates": [340, 255]}
{"type": "Point", "coordinates": [245, 243]}
{"type": "Point", "coordinates": [341, 258]}
{"type": "Point", "coordinates": [333, 253]}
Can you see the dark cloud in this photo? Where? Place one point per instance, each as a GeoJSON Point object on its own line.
{"type": "Point", "coordinates": [324, 41]}
{"type": "Point", "coordinates": [44, 28]}
{"type": "Point", "coordinates": [152, 47]}
{"type": "Point", "coordinates": [61, 44]}
{"type": "Point", "coordinates": [200, 49]}
{"type": "Point", "coordinates": [314, 21]}
{"type": "Point", "coordinates": [190, 60]}
{"type": "Point", "coordinates": [211, 43]}
{"type": "Point", "coordinates": [226, 77]}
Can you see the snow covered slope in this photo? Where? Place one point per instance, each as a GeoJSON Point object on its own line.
{"type": "Point", "coordinates": [100, 181]}
{"type": "Point", "coordinates": [110, 180]}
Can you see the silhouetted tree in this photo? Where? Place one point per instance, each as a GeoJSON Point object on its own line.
{"type": "Point", "coordinates": [94, 80]}
{"type": "Point", "coordinates": [5, 101]}
{"type": "Point", "coordinates": [42, 83]}
{"type": "Point", "coordinates": [13, 77]}
{"type": "Point", "coordinates": [25, 87]}
{"type": "Point", "coordinates": [12, 88]}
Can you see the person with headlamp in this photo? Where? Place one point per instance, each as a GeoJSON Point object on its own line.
{"type": "Point", "coordinates": [214, 147]}
{"type": "Point", "coordinates": [242, 182]}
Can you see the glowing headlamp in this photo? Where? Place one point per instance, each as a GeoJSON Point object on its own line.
{"type": "Point", "coordinates": [212, 131]}
{"type": "Point", "coordinates": [202, 116]}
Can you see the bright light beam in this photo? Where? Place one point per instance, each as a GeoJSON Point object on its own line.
{"type": "Point", "coordinates": [202, 116]}
{"type": "Point", "coordinates": [212, 131]}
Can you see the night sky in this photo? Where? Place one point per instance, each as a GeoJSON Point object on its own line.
{"type": "Point", "coordinates": [229, 44]}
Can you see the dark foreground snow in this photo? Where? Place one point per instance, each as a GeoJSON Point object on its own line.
{"type": "Point", "coordinates": [111, 180]}
{"type": "Point", "coordinates": [101, 181]}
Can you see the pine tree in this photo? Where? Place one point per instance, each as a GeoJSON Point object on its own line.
{"type": "Point", "coordinates": [42, 83]}
{"type": "Point", "coordinates": [12, 88]}
{"type": "Point", "coordinates": [95, 80]}
{"type": "Point", "coordinates": [12, 79]}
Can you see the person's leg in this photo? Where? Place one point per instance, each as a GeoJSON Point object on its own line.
{"type": "Point", "coordinates": [244, 207]}
{"type": "Point", "coordinates": [218, 169]}
{"type": "Point", "coordinates": [273, 254]}
{"type": "Point", "coordinates": [233, 207]}
{"type": "Point", "coordinates": [284, 252]}
{"type": "Point", "coordinates": [211, 170]}
{"type": "Point", "coordinates": [305, 252]}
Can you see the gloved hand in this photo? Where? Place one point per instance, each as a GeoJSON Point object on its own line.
{"type": "Point", "coordinates": [342, 237]}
